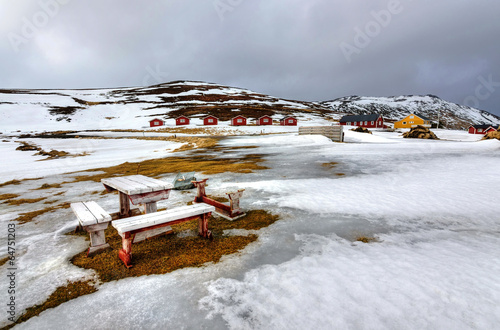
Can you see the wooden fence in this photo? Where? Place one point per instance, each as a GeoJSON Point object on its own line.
{"type": "Point", "coordinates": [336, 133]}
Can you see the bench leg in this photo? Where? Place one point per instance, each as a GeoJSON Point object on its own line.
{"type": "Point", "coordinates": [200, 185]}
{"type": "Point", "coordinates": [97, 237]}
{"type": "Point", "coordinates": [97, 242]}
{"type": "Point", "coordinates": [234, 197]}
{"type": "Point", "coordinates": [203, 225]}
{"type": "Point", "coordinates": [125, 253]}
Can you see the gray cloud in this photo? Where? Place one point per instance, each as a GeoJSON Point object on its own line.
{"type": "Point", "coordinates": [293, 49]}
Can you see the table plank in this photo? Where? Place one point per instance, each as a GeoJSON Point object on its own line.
{"type": "Point", "coordinates": [140, 187]}
{"type": "Point", "coordinates": [139, 179]}
{"type": "Point", "coordinates": [156, 182]}
{"type": "Point", "coordinates": [134, 187]}
{"type": "Point", "coordinates": [126, 186]}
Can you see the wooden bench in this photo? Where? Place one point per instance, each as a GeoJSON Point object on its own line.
{"type": "Point", "coordinates": [94, 220]}
{"type": "Point", "coordinates": [128, 227]}
{"type": "Point", "coordinates": [230, 212]}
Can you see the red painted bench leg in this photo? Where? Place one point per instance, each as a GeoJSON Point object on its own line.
{"type": "Point", "coordinates": [234, 198]}
{"type": "Point", "coordinates": [200, 185]}
{"type": "Point", "coordinates": [125, 253]}
{"type": "Point", "coordinates": [203, 225]}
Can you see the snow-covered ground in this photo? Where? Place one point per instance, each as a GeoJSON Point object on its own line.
{"type": "Point", "coordinates": [431, 205]}
{"type": "Point", "coordinates": [97, 153]}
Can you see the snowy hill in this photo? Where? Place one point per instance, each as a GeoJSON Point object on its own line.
{"type": "Point", "coordinates": [133, 107]}
{"type": "Point", "coordinates": [397, 107]}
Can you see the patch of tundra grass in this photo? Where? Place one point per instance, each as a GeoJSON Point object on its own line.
{"type": "Point", "coordinates": [207, 164]}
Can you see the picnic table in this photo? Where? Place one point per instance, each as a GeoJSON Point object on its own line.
{"type": "Point", "coordinates": [138, 189]}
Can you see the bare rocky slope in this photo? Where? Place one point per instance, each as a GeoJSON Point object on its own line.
{"type": "Point", "coordinates": [120, 107]}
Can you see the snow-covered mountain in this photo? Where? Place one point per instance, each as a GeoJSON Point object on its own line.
{"type": "Point", "coordinates": [396, 107]}
{"type": "Point", "coordinates": [133, 107]}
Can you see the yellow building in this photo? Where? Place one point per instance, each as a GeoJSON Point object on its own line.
{"type": "Point", "coordinates": [413, 120]}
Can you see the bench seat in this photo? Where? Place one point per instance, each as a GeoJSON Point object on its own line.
{"type": "Point", "coordinates": [135, 224]}
{"type": "Point", "coordinates": [90, 213]}
{"type": "Point", "coordinates": [94, 220]}
{"type": "Point", "coordinates": [129, 227]}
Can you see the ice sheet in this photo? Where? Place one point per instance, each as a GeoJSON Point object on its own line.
{"type": "Point", "coordinates": [431, 205]}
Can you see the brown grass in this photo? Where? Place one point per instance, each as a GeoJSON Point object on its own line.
{"type": "Point", "coordinates": [25, 201]}
{"type": "Point", "coordinates": [167, 253]}
{"type": "Point", "coordinates": [62, 294]}
{"type": "Point", "coordinates": [219, 199]}
{"type": "Point", "coordinates": [93, 103]}
{"type": "Point", "coordinates": [25, 146]}
{"type": "Point", "coordinates": [48, 186]}
{"type": "Point", "coordinates": [16, 182]}
{"type": "Point", "coordinates": [212, 131]}
{"type": "Point", "coordinates": [192, 142]}
{"type": "Point", "coordinates": [330, 164]}
{"type": "Point", "coordinates": [8, 196]}
{"type": "Point", "coordinates": [190, 130]}
{"type": "Point", "coordinates": [223, 150]}
{"type": "Point", "coordinates": [3, 261]}
{"type": "Point", "coordinates": [365, 239]}
{"type": "Point", "coordinates": [52, 154]}
{"type": "Point", "coordinates": [11, 182]}
{"type": "Point", "coordinates": [492, 135]}
{"type": "Point", "coordinates": [29, 216]}
{"type": "Point", "coordinates": [157, 167]}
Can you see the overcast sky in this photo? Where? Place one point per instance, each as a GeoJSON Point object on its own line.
{"type": "Point", "coordinates": [311, 50]}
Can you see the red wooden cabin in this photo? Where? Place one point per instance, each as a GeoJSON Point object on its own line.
{"type": "Point", "coordinates": [210, 120]}
{"type": "Point", "coordinates": [182, 120]}
{"type": "Point", "coordinates": [288, 121]}
{"type": "Point", "coordinates": [239, 121]}
{"type": "Point", "coordinates": [265, 120]}
{"type": "Point", "coordinates": [481, 129]}
{"type": "Point", "coordinates": [156, 122]}
{"type": "Point", "coordinates": [368, 121]}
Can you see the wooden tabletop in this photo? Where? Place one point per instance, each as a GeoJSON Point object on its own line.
{"type": "Point", "coordinates": [136, 184]}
